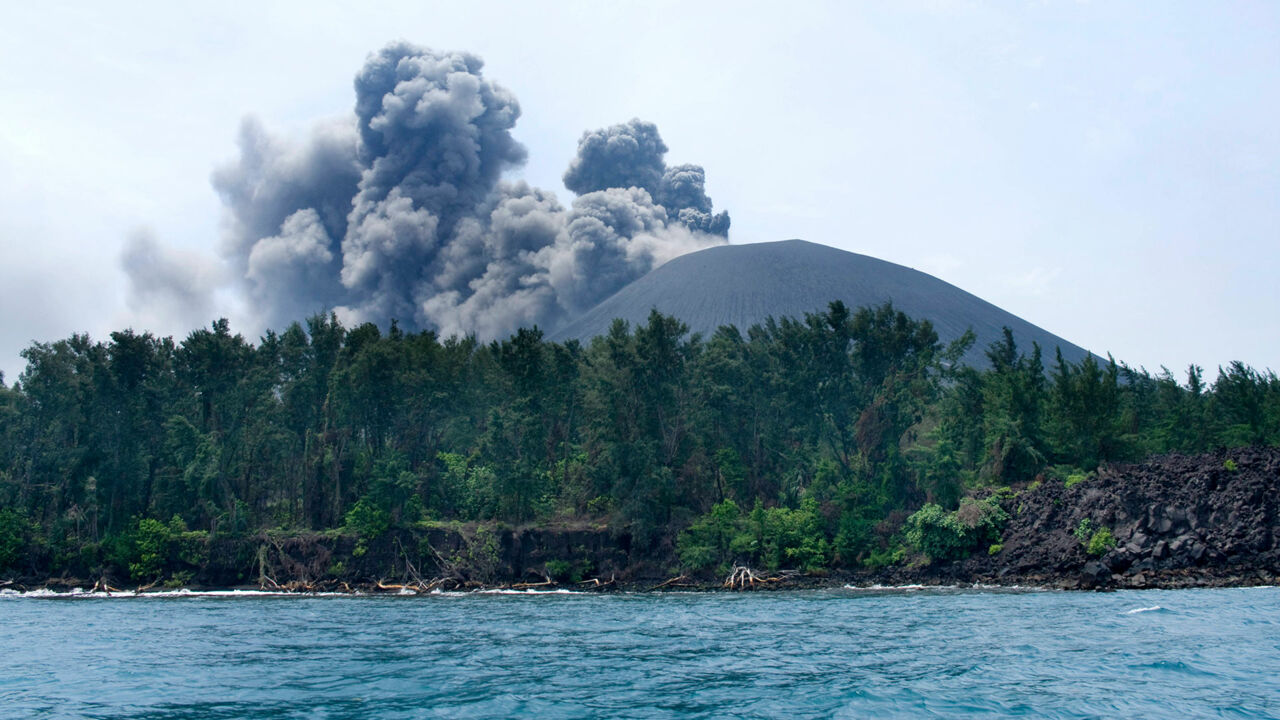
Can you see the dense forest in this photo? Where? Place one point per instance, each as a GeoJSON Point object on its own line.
{"type": "Point", "coordinates": [803, 443]}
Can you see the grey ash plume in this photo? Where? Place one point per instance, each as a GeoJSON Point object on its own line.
{"type": "Point", "coordinates": [401, 211]}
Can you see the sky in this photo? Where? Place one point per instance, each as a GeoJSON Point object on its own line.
{"type": "Point", "coordinates": [1108, 171]}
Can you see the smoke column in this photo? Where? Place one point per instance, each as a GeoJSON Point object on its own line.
{"type": "Point", "coordinates": [401, 212]}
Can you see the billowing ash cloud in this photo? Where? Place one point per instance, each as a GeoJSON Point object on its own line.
{"type": "Point", "coordinates": [286, 207]}
{"type": "Point", "coordinates": [402, 212]}
{"type": "Point", "coordinates": [631, 155]}
{"type": "Point", "coordinates": [168, 288]}
{"type": "Point", "coordinates": [626, 155]}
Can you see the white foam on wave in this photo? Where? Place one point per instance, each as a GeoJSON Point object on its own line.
{"type": "Point", "coordinates": [897, 588]}
{"type": "Point", "coordinates": [945, 588]}
{"type": "Point", "coordinates": [527, 591]}
{"type": "Point", "coordinates": [1134, 611]}
{"type": "Point", "coordinates": [81, 593]}
{"type": "Point", "coordinates": [180, 593]}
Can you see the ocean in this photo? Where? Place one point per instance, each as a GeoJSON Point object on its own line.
{"type": "Point", "coordinates": [840, 653]}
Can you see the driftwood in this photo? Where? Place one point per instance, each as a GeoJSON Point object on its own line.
{"type": "Point", "coordinates": [597, 583]}
{"type": "Point", "coordinates": [408, 566]}
{"type": "Point", "coordinates": [103, 586]}
{"type": "Point", "coordinates": [744, 578]}
{"type": "Point", "coordinates": [677, 581]}
{"type": "Point", "coordinates": [398, 587]}
{"type": "Point", "coordinates": [263, 577]}
{"type": "Point", "coordinates": [529, 586]}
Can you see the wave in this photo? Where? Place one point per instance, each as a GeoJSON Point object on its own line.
{"type": "Point", "coordinates": [180, 593]}
{"type": "Point", "coordinates": [526, 591]}
{"type": "Point", "coordinates": [1153, 608]}
{"type": "Point", "coordinates": [945, 588]}
{"type": "Point", "coordinates": [899, 588]}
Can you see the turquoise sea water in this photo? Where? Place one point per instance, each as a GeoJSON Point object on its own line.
{"type": "Point", "coordinates": [835, 653]}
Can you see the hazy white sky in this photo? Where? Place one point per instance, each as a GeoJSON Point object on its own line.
{"type": "Point", "coordinates": [1109, 171]}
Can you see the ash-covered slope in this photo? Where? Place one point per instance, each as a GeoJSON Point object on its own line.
{"type": "Point", "coordinates": [744, 284]}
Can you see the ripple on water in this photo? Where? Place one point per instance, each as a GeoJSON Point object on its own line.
{"type": "Point", "coordinates": [881, 652]}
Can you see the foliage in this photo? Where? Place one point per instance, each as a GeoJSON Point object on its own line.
{"type": "Point", "coordinates": [149, 547]}
{"type": "Point", "coordinates": [769, 537]}
{"type": "Point", "coordinates": [1100, 542]}
{"type": "Point", "coordinates": [884, 558]}
{"type": "Point", "coordinates": [1095, 539]}
{"type": "Point", "coordinates": [367, 520]}
{"type": "Point", "coordinates": [1230, 465]}
{"type": "Point", "coordinates": [943, 535]}
{"type": "Point", "coordinates": [479, 557]}
{"type": "Point", "coordinates": [1084, 531]}
{"type": "Point", "coordinates": [567, 571]}
{"type": "Point", "coordinates": [800, 442]}
{"type": "Point", "coordinates": [714, 539]}
{"type": "Point", "coordinates": [1075, 479]}
{"type": "Point", "coordinates": [13, 532]}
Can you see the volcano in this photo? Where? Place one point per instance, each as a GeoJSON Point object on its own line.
{"type": "Point", "coordinates": [743, 285]}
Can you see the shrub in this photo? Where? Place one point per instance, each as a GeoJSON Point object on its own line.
{"type": "Point", "coordinates": [564, 571]}
{"type": "Point", "coordinates": [936, 533]}
{"type": "Point", "coordinates": [1100, 542]}
{"type": "Point", "coordinates": [884, 558]}
{"type": "Point", "coordinates": [1084, 531]}
{"type": "Point", "coordinates": [946, 535]}
{"type": "Point", "coordinates": [559, 570]}
{"type": "Point", "coordinates": [1230, 465]}
{"type": "Point", "coordinates": [708, 542]}
{"type": "Point", "coordinates": [1095, 539]}
{"type": "Point", "coordinates": [1076, 478]}
{"type": "Point", "coordinates": [771, 537]}
{"type": "Point", "coordinates": [367, 520]}
{"type": "Point", "coordinates": [792, 538]}
{"type": "Point", "coordinates": [995, 549]}
{"type": "Point", "coordinates": [149, 549]}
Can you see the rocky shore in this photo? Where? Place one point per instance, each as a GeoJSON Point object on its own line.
{"type": "Point", "coordinates": [1176, 521]}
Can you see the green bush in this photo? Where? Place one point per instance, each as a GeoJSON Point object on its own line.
{"type": "Point", "coordinates": [1084, 531]}
{"type": "Point", "coordinates": [936, 533]}
{"type": "Point", "coordinates": [1095, 539]}
{"type": "Point", "coordinates": [559, 570]}
{"type": "Point", "coordinates": [946, 535]}
{"type": "Point", "coordinates": [884, 558]}
{"type": "Point", "coordinates": [144, 550]}
{"type": "Point", "coordinates": [1230, 465]}
{"type": "Point", "coordinates": [708, 542]}
{"type": "Point", "coordinates": [1100, 542]}
{"type": "Point", "coordinates": [565, 571]}
{"type": "Point", "coordinates": [1068, 475]}
{"type": "Point", "coordinates": [790, 538]}
{"type": "Point", "coordinates": [769, 537]}
{"type": "Point", "coordinates": [995, 549]}
{"type": "Point", "coordinates": [367, 520]}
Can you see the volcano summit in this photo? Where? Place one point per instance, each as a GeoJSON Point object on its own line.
{"type": "Point", "coordinates": [743, 285]}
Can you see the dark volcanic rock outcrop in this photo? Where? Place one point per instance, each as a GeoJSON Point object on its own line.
{"type": "Point", "coordinates": [744, 284]}
{"type": "Point", "coordinates": [1177, 520]}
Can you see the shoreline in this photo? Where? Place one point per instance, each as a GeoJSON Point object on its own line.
{"type": "Point", "coordinates": [1171, 522]}
{"type": "Point", "coordinates": [889, 583]}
